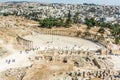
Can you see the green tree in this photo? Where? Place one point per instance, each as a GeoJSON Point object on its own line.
{"type": "Point", "coordinates": [116, 30]}
{"type": "Point", "coordinates": [68, 20]}
{"type": "Point", "coordinates": [90, 22]}
{"type": "Point", "coordinates": [101, 30]}
{"type": "Point", "coordinates": [117, 40]}
{"type": "Point", "coordinates": [76, 17]}
{"type": "Point", "coordinates": [47, 22]}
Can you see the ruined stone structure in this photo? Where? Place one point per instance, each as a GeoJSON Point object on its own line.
{"type": "Point", "coordinates": [86, 65]}
{"type": "Point", "coordinates": [78, 58]}
{"type": "Point", "coordinates": [24, 42]}
{"type": "Point", "coordinates": [75, 33]}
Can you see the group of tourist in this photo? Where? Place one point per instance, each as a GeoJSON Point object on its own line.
{"type": "Point", "coordinates": [8, 61]}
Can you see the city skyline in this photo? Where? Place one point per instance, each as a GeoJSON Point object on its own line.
{"type": "Point", "coordinates": [101, 2]}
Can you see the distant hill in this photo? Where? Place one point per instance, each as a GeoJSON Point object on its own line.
{"type": "Point", "coordinates": [15, 2]}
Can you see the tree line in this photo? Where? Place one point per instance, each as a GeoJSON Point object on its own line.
{"type": "Point", "coordinates": [56, 22]}
{"type": "Point", "coordinates": [90, 22]}
{"type": "Point", "coordinates": [114, 28]}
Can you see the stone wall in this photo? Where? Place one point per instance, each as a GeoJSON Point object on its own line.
{"type": "Point", "coordinates": [77, 58]}
{"type": "Point", "coordinates": [86, 64]}
{"type": "Point", "coordinates": [27, 44]}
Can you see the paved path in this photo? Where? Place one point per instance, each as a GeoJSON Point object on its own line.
{"type": "Point", "coordinates": [64, 42]}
